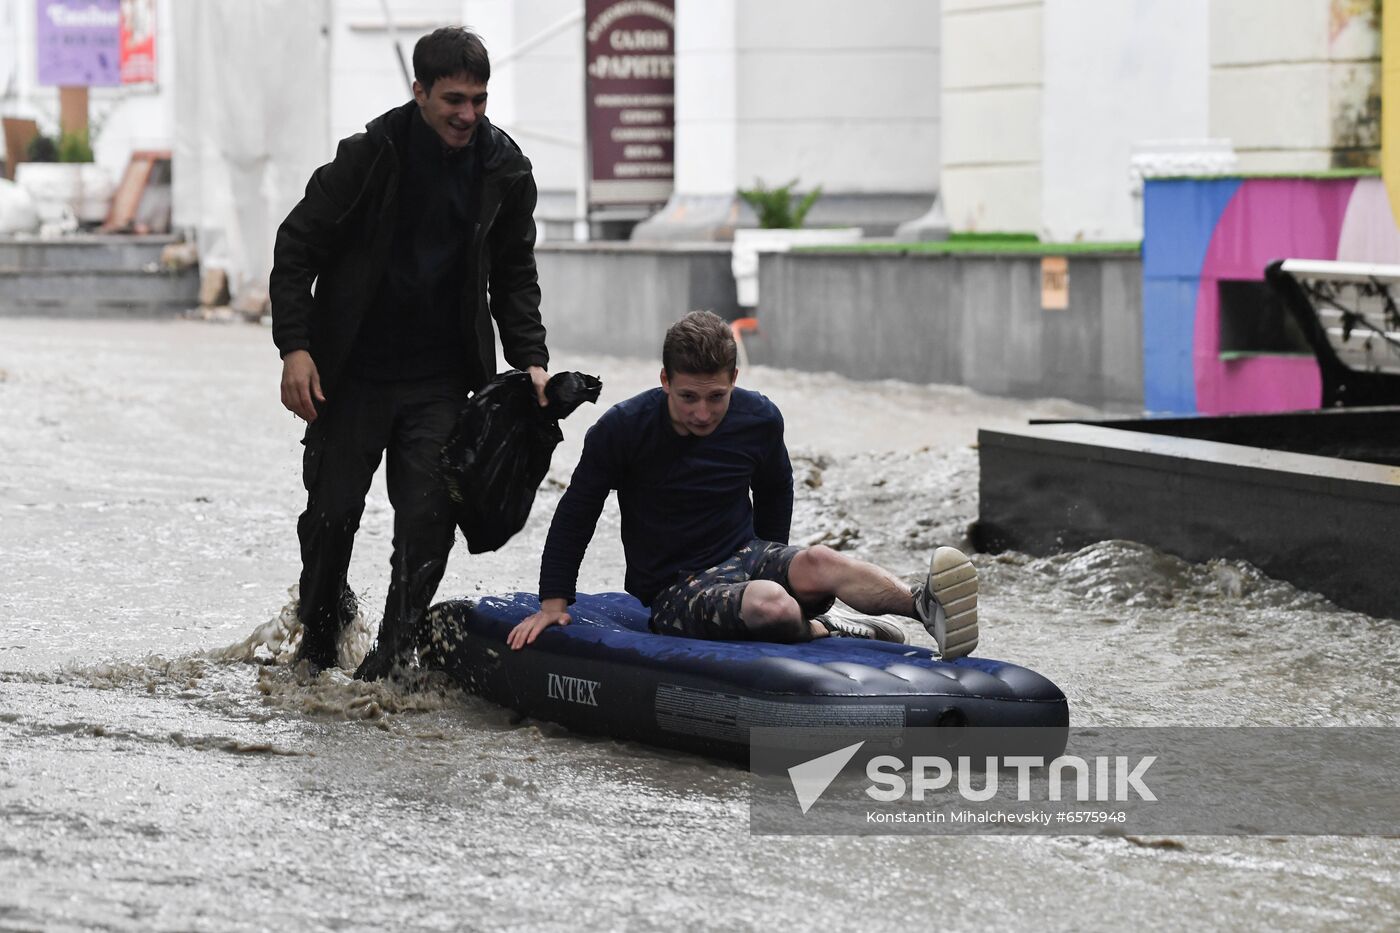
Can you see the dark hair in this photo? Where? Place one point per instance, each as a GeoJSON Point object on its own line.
{"type": "Point", "coordinates": [699, 344]}
{"type": "Point", "coordinates": [450, 51]}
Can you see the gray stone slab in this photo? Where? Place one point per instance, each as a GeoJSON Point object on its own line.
{"type": "Point", "coordinates": [1321, 523]}
{"type": "Point", "coordinates": [82, 252]}
{"type": "Point", "coordinates": [618, 298]}
{"type": "Point", "coordinates": [110, 293]}
{"type": "Point", "coordinates": [963, 319]}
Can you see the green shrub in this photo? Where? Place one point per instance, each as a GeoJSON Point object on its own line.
{"type": "Point", "coordinates": [41, 149]}
{"type": "Point", "coordinates": [775, 206]}
{"type": "Point", "coordinates": [74, 147]}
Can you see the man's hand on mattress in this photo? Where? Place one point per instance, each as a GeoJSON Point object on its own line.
{"type": "Point", "coordinates": [552, 612]}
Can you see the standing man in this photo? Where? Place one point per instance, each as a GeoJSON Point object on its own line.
{"type": "Point", "coordinates": [402, 235]}
{"type": "Point", "coordinates": [704, 485]}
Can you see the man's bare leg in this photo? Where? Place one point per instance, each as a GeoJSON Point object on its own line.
{"type": "Point", "coordinates": [819, 572]}
{"type": "Point", "coordinates": [946, 603]}
{"type": "Point", "coordinates": [771, 614]}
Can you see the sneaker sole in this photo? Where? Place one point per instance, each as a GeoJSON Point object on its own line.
{"type": "Point", "coordinates": [953, 584]}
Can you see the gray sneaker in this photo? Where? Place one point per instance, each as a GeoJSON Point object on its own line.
{"type": "Point", "coordinates": [872, 628]}
{"type": "Point", "coordinates": [947, 602]}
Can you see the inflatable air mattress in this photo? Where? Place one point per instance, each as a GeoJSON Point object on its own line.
{"type": "Point", "coordinates": [607, 674]}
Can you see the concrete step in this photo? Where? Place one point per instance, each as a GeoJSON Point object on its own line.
{"type": "Point", "coordinates": [104, 293]}
{"type": "Point", "coordinates": [90, 253]}
{"type": "Point", "coordinates": [92, 276]}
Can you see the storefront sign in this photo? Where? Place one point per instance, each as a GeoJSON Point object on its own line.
{"type": "Point", "coordinates": [96, 43]}
{"type": "Point", "coordinates": [1054, 283]}
{"type": "Point", "coordinates": [138, 41]}
{"type": "Point", "coordinates": [78, 43]}
{"type": "Point", "coordinates": [629, 51]}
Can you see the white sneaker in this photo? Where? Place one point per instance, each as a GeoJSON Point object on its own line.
{"type": "Point", "coordinates": [873, 628]}
{"type": "Point", "coordinates": [947, 602]}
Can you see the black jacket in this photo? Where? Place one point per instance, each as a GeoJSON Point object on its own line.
{"type": "Point", "coordinates": [499, 452]}
{"type": "Point", "coordinates": [339, 236]}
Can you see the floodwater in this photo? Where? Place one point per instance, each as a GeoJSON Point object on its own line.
{"type": "Point", "coordinates": [163, 768]}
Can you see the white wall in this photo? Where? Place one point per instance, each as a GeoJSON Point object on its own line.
{"type": "Point", "coordinates": [992, 105]}
{"type": "Point", "coordinates": [536, 97]}
{"type": "Point", "coordinates": [1116, 73]}
{"type": "Point", "coordinates": [839, 92]}
{"type": "Point", "coordinates": [834, 92]}
{"type": "Point", "coordinates": [365, 79]}
{"type": "Point", "coordinates": [1289, 78]}
{"type": "Point", "coordinates": [707, 96]}
{"type": "Point", "coordinates": [10, 31]}
{"type": "Point", "coordinates": [545, 114]}
{"type": "Point", "coordinates": [252, 112]}
{"type": "Point", "coordinates": [1044, 100]}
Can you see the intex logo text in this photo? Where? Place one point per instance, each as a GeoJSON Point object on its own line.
{"type": "Point", "coordinates": [573, 689]}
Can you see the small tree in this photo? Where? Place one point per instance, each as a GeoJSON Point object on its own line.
{"type": "Point", "coordinates": [775, 206]}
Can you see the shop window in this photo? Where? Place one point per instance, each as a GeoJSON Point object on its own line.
{"type": "Point", "coordinates": [1254, 322]}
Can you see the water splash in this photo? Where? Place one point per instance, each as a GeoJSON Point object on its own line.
{"type": "Point", "coordinates": [1133, 575]}
{"type": "Point", "coordinates": [215, 678]}
{"type": "Point", "coordinates": [276, 640]}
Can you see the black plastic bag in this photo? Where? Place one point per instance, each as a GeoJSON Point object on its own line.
{"type": "Point", "coordinates": [499, 452]}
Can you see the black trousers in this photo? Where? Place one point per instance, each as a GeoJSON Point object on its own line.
{"type": "Point", "coordinates": [410, 421]}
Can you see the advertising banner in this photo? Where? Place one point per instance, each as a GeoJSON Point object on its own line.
{"type": "Point", "coordinates": [629, 54]}
{"type": "Point", "coordinates": [138, 41]}
{"type": "Point", "coordinates": [78, 43]}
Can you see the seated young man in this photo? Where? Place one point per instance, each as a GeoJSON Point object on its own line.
{"type": "Point", "coordinates": [708, 560]}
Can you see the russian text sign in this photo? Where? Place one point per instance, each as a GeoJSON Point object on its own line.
{"type": "Point", "coordinates": [629, 54]}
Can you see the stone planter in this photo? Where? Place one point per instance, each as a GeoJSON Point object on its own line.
{"type": "Point", "coordinates": [81, 187]}
{"type": "Point", "coordinates": [748, 243]}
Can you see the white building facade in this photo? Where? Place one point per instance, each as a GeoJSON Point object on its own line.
{"type": "Point", "coordinates": [1020, 115]}
{"type": "Point", "coordinates": [1047, 102]}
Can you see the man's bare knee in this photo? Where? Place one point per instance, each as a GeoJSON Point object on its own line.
{"type": "Point", "coordinates": [770, 613]}
{"type": "Point", "coordinates": [818, 571]}
{"type": "Point", "coordinates": [767, 603]}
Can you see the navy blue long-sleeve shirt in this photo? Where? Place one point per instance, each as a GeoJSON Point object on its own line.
{"type": "Point", "coordinates": [685, 499]}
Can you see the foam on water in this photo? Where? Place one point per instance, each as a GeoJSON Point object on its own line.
{"type": "Point", "coordinates": [1126, 573]}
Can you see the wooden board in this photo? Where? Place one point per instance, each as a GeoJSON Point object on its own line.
{"type": "Point", "coordinates": [19, 132]}
{"type": "Point", "coordinates": [126, 200]}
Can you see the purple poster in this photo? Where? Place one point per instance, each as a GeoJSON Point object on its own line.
{"type": "Point", "coordinates": [79, 42]}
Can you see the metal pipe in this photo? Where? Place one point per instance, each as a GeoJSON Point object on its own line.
{"type": "Point", "coordinates": [398, 49]}
{"type": "Point", "coordinates": [581, 226]}
{"type": "Point", "coordinates": [548, 33]}
{"type": "Point", "coordinates": [516, 130]}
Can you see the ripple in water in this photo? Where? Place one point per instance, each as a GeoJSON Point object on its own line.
{"type": "Point", "coordinates": [1126, 573]}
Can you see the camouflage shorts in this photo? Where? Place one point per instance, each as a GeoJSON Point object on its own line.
{"type": "Point", "coordinates": [706, 604]}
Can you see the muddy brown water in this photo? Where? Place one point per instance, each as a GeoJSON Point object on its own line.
{"type": "Point", "coordinates": [152, 778]}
